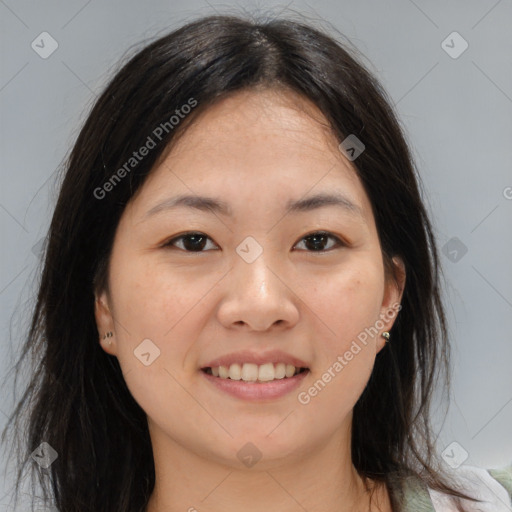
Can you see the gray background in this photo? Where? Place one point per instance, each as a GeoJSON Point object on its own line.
{"type": "Point", "coordinates": [456, 112]}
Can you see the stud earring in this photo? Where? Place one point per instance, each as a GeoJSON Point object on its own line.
{"type": "Point", "coordinates": [108, 334]}
{"type": "Point", "coordinates": [386, 335]}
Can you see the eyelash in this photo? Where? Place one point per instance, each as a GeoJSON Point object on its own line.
{"type": "Point", "coordinates": [339, 242]}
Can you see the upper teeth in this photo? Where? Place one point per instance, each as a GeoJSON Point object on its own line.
{"type": "Point", "coordinates": [253, 372]}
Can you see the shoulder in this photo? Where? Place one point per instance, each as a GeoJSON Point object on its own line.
{"type": "Point", "coordinates": [493, 487]}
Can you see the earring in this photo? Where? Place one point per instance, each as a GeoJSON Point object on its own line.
{"type": "Point", "coordinates": [108, 334]}
{"type": "Point", "coordinates": [386, 335]}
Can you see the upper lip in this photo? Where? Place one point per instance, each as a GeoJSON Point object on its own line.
{"type": "Point", "coordinates": [259, 358]}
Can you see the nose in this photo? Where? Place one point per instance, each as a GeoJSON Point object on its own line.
{"type": "Point", "coordinates": [258, 295]}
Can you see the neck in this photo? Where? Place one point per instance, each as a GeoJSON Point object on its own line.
{"type": "Point", "coordinates": [323, 480]}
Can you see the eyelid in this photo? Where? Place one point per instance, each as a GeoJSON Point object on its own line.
{"type": "Point", "coordinates": [169, 242]}
{"type": "Point", "coordinates": [339, 241]}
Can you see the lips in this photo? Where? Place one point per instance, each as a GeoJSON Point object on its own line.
{"type": "Point", "coordinates": [258, 358]}
{"type": "Point", "coordinates": [259, 392]}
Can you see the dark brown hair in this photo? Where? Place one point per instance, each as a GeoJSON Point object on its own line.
{"type": "Point", "coordinates": [77, 399]}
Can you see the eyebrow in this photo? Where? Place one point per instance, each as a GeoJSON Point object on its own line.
{"type": "Point", "coordinates": [217, 206]}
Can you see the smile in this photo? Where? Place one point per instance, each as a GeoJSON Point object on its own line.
{"type": "Point", "coordinates": [255, 389]}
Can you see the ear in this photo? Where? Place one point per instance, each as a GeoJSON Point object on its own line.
{"type": "Point", "coordinates": [104, 322]}
{"type": "Point", "coordinates": [393, 292]}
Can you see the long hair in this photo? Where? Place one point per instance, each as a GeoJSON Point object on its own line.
{"type": "Point", "coordinates": [77, 400]}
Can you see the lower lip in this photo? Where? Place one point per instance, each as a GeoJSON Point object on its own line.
{"type": "Point", "coordinates": [256, 391]}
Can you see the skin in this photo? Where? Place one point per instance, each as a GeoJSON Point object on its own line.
{"type": "Point", "coordinates": [256, 150]}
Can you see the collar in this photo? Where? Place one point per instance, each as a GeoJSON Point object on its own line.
{"type": "Point", "coordinates": [416, 497]}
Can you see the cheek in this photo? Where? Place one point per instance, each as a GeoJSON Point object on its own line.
{"type": "Point", "coordinates": [164, 305]}
{"type": "Point", "coordinates": [346, 304]}
{"type": "Point", "coordinates": [154, 299]}
{"type": "Point", "coordinates": [345, 300]}
{"type": "Point", "coordinates": [147, 306]}
{"type": "Point", "coordinates": [156, 312]}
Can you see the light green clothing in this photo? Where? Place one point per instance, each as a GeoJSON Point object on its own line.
{"type": "Point", "coordinates": [493, 487]}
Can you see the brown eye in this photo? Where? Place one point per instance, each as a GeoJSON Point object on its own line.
{"type": "Point", "coordinates": [315, 242]}
{"type": "Point", "coordinates": [196, 242]}
{"type": "Point", "coordinates": [191, 242]}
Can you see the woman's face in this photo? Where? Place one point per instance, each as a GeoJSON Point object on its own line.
{"type": "Point", "coordinates": [256, 280]}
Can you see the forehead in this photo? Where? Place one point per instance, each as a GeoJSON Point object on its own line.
{"type": "Point", "coordinates": [256, 142]}
{"type": "Point", "coordinates": [278, 118]}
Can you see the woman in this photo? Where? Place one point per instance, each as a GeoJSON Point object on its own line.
{"type": "Point", "coordinates": [240, 302]}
